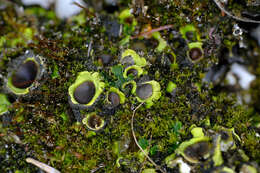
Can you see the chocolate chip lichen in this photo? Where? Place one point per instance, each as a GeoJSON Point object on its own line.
{"type": "Point", "coordinates": [134, 71]}
{"type": "Point", "coordinates": [195, 52]}
{"type": "Point", "coordinates": [197, 151]}
{"type": "Point", "coordinates": [24, 72]}
{"type": "Point", "coordinates": [94, 122]}
{"type": "Point", "coordinates": [115, 97]}
{"type": "Point", "coordinates": [4, 104]}
{"type": "Point", "coordinates": [86, 89]}
{"type": "Point", "coordinates": [25, 75]}
{"type": "Point", "coordinates": [85, 92]}
{"type": "Point", "coordinates": [148, 92]}
{"type": "Point", "coordinates": [144, 91]}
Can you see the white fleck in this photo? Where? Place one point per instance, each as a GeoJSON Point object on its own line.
{"type": "Point", "coordinates": [242, 44]}
{"type": "Point", "coordinates": [245, 78]}
{"type": "Point", "coordinates": [231, 79]}
{"type": "Point", "coordinates": [224, 146]}
{"type": "Point", "coordinates": [63, 8]}
{"type": "Point", "coordinates": [237, 31]}
{"type": "Point", "coordinates": [187, 19]}
{"type": "Point", "coordinates": [66, 8]}
{"type": "Point", "coordinates": [198, 18]}
{"type": "Point", "coordinates": [184, 167]}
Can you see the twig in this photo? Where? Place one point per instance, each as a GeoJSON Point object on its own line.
{"type": "Point", "coordinates": [84, 8]}
{"type": "Point", "coordinates": [132, 128]}
{"type": "Point", "coordinates": [42, 166]}
{"type": "Point", "coordinates": [233, 16]}
{"type": "Point", "coordinates": [152, 31]}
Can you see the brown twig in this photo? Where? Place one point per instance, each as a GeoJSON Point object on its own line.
{"type": "Point", "coordinates": [133, 133]}
{"type": "Point", "coordinates": [84, 8]}
{"type": "Point", "coordinates": [152, 31]}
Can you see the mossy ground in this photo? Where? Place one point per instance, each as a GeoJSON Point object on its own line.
{"type": "Point", "coordinates": [46, 125]}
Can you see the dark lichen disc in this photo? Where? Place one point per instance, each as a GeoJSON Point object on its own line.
{"type": "Point", "coordinates": [114, 99]}
{"type": "Point", "coordinates": [144, 91]}
{"type": "Point", "coordinates": [94, 122]}
{"type": "Point", "coordinates": [195, 53]}
{"type": "Point", "coordinates": [84, 93]}
{"type": "Point", "coordinates": [198, 150]}
{"type": "Point", "coordinates": [132, 71]}
{"type": "Point", "coordinates": [25, 75]}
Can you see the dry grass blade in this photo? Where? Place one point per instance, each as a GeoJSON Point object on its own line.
{"type": "Point", "coordinates": [133, 132]}
{"type": "Point", "coordinates": [220, 6]}
{"type": "Point", "coordinates": [42, 166]}
{"type": "Point", "coordinates": [84, 8]}
{"type": "Point", "coordinates": [152, 31]}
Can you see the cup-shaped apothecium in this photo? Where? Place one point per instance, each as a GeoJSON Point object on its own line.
{"type": "Point", "coordinates": [24, 73]}
{"type": "Point", "coordinates": [86, 89]}
{"type": "Point", "coordinates": [94, 122]}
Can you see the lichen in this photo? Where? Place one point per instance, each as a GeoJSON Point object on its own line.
{"type": "Point", "coordinates": [87, 76]}
{"type": "Point", "coordinates": [4, 103]}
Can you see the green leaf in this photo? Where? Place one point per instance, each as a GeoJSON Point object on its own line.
{"type": "Point", "coordinates": [117, 70]}
{"type": "Point", "coordinates": [154, 150]}
{"type": "Point", "coordinates": [108, 79]}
